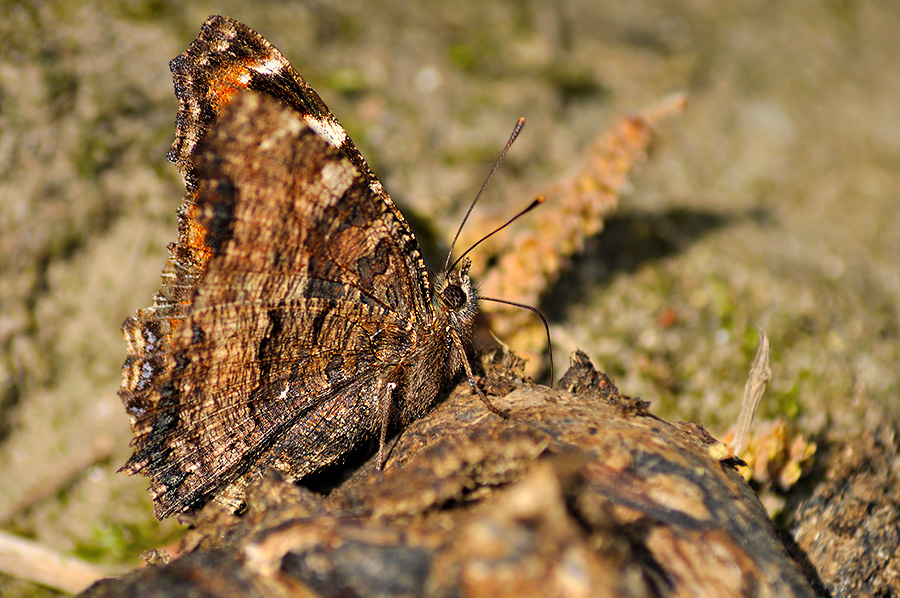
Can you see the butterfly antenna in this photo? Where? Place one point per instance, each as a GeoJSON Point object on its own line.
{"type": "Point", "coordinates": [516, 130]}
{"type": "Point", "coordinates": [535, 203]}
{"type": "Point", "coordinates": [537, 312]}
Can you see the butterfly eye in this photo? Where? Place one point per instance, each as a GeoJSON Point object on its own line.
{"type": "Point", "coordinates": [453, 296]}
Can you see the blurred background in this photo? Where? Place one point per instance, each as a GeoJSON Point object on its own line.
{"type": "Point", "coordinates": [772, 202]}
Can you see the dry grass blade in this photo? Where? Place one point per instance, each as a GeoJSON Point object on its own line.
{"type": "Point", "coordinates": [760, 374]}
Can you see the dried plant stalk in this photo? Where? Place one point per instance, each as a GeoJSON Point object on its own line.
{"type": "Point", "coordinates": [531, 261]}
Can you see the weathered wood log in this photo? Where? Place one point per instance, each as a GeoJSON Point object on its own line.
{"type": "Point", "coordinates": [580, 492]}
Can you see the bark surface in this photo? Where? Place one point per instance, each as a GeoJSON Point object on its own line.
{"type": "Point", "coordinates": [580, 492]}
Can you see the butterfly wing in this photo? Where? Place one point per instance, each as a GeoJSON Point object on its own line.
{"type": "Point", "coordinates": [308, 309]}
{"type": "Point", "coordinates": [227, 57]}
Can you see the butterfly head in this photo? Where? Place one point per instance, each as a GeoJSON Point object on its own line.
{"type": "Point", "coordinates": [457, 295]}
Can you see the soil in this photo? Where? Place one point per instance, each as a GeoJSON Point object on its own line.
{"type": "Point", "coordinates": [772, 203]}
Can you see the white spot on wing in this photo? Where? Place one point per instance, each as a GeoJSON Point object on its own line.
{"type": "Point", "coordinates": [337, 176]}
{"type": "Point", "coordinates": [269, 67]}
{"type": "Point", "coordinates": [333, 133]}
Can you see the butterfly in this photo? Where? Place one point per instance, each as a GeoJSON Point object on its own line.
{"type": "Point", "coordinates": [296, 317]}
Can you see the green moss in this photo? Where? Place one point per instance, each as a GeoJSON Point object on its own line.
{"type": "Point", "coordinates": [111, 541]}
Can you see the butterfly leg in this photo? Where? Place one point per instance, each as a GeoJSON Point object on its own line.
{"type": "Point", "coordinates": [471, 377]}
{"type": "Point", "coordinates": [385, 401]}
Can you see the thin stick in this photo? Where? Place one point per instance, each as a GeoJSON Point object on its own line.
{"type": "Point", "coordinates": [26, 559]}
